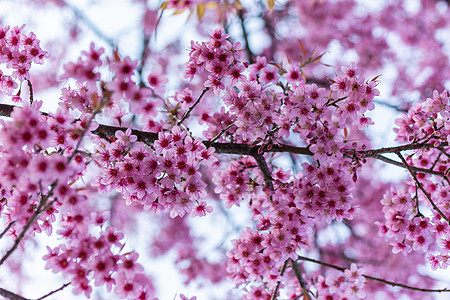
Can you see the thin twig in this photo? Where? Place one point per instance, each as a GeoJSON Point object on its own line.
{"type": "Point", "coordinates": [6, 229]}
{"type": "Point", "coordinates": [188, 112]}
{"type": "Point", "coordinates": [395, 107]}
{"type": "Point", "coordinates": [143, 60]}
{"type": "Point", "coordinates": [221, 133]}
{"type": "Point", "coordinates": [275, 292]}
{"type": "Point", "coordinates": [416, 169]}
{"type": "Point", "coordinates": [250, 54]}
{"type": "Point", "coordinates": [29, 223]}
{"type": "Point", "coordinates": [30, 88]}
{"type": "Point", "coordinates": [55, 291]}
{"type": "Point", "coordinates": [300, 279]}
{"type": "Point", "coordinates": [395, 149]}
{"type": "Point", "coordinates": [375, 278]}
{"type": "Point", "coordinates": [102, 103]}
{"type": "Point", "coordinates": [79, 14]}
{"type": "Point", "coordinates": [413, 174]}
{"type": "Point", "coordinates": [271, 32]}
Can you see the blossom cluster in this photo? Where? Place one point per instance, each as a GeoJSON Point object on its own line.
{"type": "Point", "coordinates": [284, 220]}
{"type": "Point", "coordinates": [28, 176]}
{"type": "Point", "coordinates": [49, 167]}
{"type": "Point", "coordinates": [407, 229]}
{"type": "Point", "coordinates": [40, 160]}
{"type": "Point", "coordinates": [218, 57]}
{"type": "Point", "coordinates": [166, 177]}
{"type": "Point", "coordinates": [18, 51]}
{"type": "Point", "coordinates": [406, 226]}
{"type": "Point", "coordinates": [427, 120]}
{"type": "Point", "coordinates": [90, 260]}
{"type": "Point", "coordinates": [349, 285]}
{"type": "Point", "coordinates": [267, 103]}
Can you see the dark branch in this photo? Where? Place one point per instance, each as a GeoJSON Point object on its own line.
{"type": "Point", "coordinates": [11, 295]}
{"type": "Point", "coordinates": [250, 54]}
{"type": "Point", "coordinates": [143, 60]}
{"type": "Point", "coordinates": [275, 292]}
{"type": "Point", "coordinates": [30, 87]}
{"type": "Point", "coordinates": [188, 112]}
{"type": "Point", "coordinates": [414, 176]}
{"type": "Point", "coordinates": [79, 14]}
{"type": "Point", "coordinates": [55, 291]}
{"type": "Point", "coordinates": [105, 131]}
{"type": "Point", "coordinates": [416, 169]}
{"type": "Point", "coordinates": [262, 164]}
{"type": "Point", "coordinates": [6, 229]}
{"type": "Point", "coordinates": [299, 277]}
{"type": "Point", "coordinates": [395, 107]}
{"type": "Point", "coordinates": [375, 278]}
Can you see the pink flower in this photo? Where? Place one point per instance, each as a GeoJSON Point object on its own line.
{"type": "Point", "coordinates": [124, 68]}
{"type": "Point", "coordinates": [129, 264]}
{"type": "Point", "coordinates": [354, 274]}
{"type": "Point", "coordinates": [157, 80]}
{"type": "Point", "coordinates": [126, 287]}
{"type": "Point", "coordinates": [201, 209]}
{"type": "Point", "coordinates": [351, 71]}
{"type": "Point", "coordinates": [126, 136]}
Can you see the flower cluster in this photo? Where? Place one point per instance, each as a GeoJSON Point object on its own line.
{"type": "Point", "coordinates": [40, 161]}
{"type": "Point", "coordinates": [325, 193]}
{"type": "Point", "coordinates": [218, 57]}
{"type": "Point", "coordinates": [85, 69]}
{"type": "Point", "coordinates": [331, 125]}
{"type": "Point", "coordinates": [284, 219]}
{"type": "Point", "coordinates": [407, 229]}
{"type": "Point", "coordinates": [18, 52]}
{"type": "Point", "coordinates": [427, 120]}
{"type": "Point", "coordinates": [166, 178]}
{"type": "Point", "coordinates": [50, 163]}
{"type": "Point", "coordinates": [349, 285]}
{"type": "Point", "coordinates": [90, 259]}
{"type": "Point", "coordinates": [271, 102]}
{"type": "Point", "coordinates": [29, 177]}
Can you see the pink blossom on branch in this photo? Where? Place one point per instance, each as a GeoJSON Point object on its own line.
{"type": "Point", "coordinates": [283, 137]}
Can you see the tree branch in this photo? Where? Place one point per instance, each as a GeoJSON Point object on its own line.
{"type": "Point", "coordinates": [395, 149]}
{"type": "Point", "coordinates": [105, 131]}
{"type": "Point", "coordinates": [300, 279]}
{"type": "Point", "coordinates": [30, 88]}
{"type": "Point", "coordinates": [6, 229]}
{"type": "Point", "coordinates": [28, 224]}
{"type": "Point", "coordinates": [250, 54]}
{"type": "Point", "coordinates": [262, 164]}
{"type": "Point", "coordinates": [283, 269]}
{"type": "Point", "coordinates": [375, 278]}
{"type": "Point", "coordinates": [416, 169]}
{"type": "Point", "coordinates": [413, 174]}
{"type": "Point", "coordinates": [143, 60]}
{"type": "Point", "coordinates": [11, 295]}
{"type": "Point", "coordinates": [188, 112]}
{"type": "Point", "coordinates": [55, 291]}
{"type": "Point", "coordinates": [79, 14]}
{"type": "Point", "coordinates": [395, 107]}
